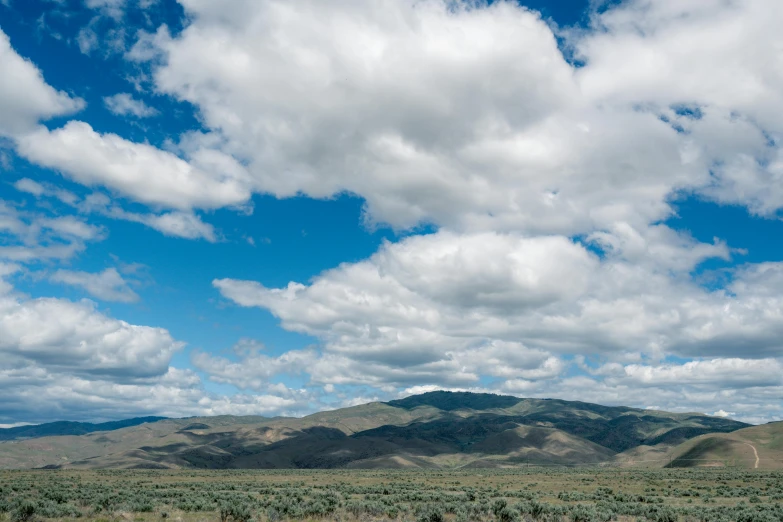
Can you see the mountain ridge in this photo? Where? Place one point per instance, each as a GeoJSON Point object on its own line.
{"type": "Point", "coordinates": [435, 429]}
{"type": "Point", "coordinates": [56, 428]}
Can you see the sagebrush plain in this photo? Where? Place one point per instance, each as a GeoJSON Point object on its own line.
{"type": "Point", "coordinates": [511, 495]}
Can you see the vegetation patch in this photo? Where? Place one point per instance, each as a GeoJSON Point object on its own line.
{"type": "Point", "coordinates": [478, 495]}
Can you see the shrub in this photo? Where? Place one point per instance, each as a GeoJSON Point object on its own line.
{"type": "Point", "coordinates": [662, 514]}
{"type": "Point", "coordinates": [235, 512]}
{"type": "Point", "coordinates": [508, 514]}
{"type": "Point", "coordinates": [24, 511]}
{"type": "Point", "coordinates": [430, 514]}
{"type": "Point", "coordinates": [498, 506]}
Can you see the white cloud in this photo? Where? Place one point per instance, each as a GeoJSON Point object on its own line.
{"type": "Point", "coordinates": [449, 310]}
{"type": "Point", "coordinates": [714, 373]}
{"type": "Point", "coordinates": [45, 190]}
{"type": "Point", "coordinates": [87, 40]}
{"type": "Point", "coordinates": [29, 236]}
{"type": "Point", "coordinates": [147, 45]}
{"type": "Point", "coordinates": [754, 405]}
{"type": "Point", "coordinates": [107, 285]}
{"type": "Point", "coordinates": [657, 247]}
{"type": "Point", "coordinates": [447, 113]}
{"type": "Point", "coordinates": [112, 8]}
{"type": "Point", "coordinates": [731, 74]}
{"type": "Point", "coordinates": [186, 225]}
{"type": "Point", "coordinates": [427, 295]}
{"type": "Point", "coordinates": [136, 170]}
{"type": "Point", "coordinates": [124, 104]}
{"type": "Point", "coordinates": [16, 424]}
{"type": "Point", "coordinates": [39, 395]}
{"type": "Point", "coordinates": [105, 32]}
{"type": "Point", "coordinates": [468, 116]}
{"type": "Point", "coordinates": [58, 334]}
{"type": "Point", "coordinates": [5, 160]}
{"type": "Point", "coordinates": [25, 98]}
{"type": "Point", "coordinates": [177, 224]}
{"type": "Point", "coordinates": [253, 371]}
{"type": "Point", "coordinates": [30, 186]}
{"type": "Point", "coordinates": [487, 270]}
{"type": "Point", "coordinates": [71, 226]}
{"type": "Point", "coordinates": [423, 308]}
{"type": "Point", "coordinates": [500, 133]}
{"type": "Point", "coordinates": [61, 359]}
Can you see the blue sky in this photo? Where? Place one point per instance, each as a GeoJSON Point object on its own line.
{"type": "Point", "coordinates": [260, 207]}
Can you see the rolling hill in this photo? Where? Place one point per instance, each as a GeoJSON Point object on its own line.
{"type": "Point", "coordinates": [431, 430]}
{"type": "Point", "coordinates": [755, 447]}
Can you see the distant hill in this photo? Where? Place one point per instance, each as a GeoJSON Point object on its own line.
{"type": "Point", "coordinates": [755, 447]}
{"type": "Point", "coordinates": [431, 430]}
{"type": "Point", "coordinates": [69, 428]}
{"type": "Point", "coordinates": [450, 401]}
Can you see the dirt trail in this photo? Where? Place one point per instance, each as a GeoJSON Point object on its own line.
{"type": "Point", "coordinates": [756, 453]}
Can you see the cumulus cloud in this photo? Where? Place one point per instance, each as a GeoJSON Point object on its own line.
{"type": "Point", "coordinates": [726, 86]}
{"type": "Point", "coordinates": [450, 309]}
{"type": "Point", "coordinates": [107, 285]}
{"type": "Point", "coordinates": [25, 97]}
{"type": "Point", "coordinates": [61, 359]}
{"type": "Point", "coordinates": [470, 117]}
{"type": "Point", "coordinates": [253, 371]}
{"type": "Point", "coordinates": [124, 104]}
{"type": "Point", "coordinates": [40, 395]}
{"type": "Point", "coordinates": [60, 334]}
{"type": "Point", "coordinates": [464, 115]}
{"type": "Point", "coordinates": [441, 113]}
{"type": "Point", "coordinates": [754, 405]}
{"type": "Point", "coordinates": [427, 295]}
{"type": "Point", "coordinates": [714, 373]}
{"type": "Point", "coordinates": [136, 170]}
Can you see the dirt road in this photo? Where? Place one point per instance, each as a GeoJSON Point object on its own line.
{"type": "Point", "coordinates": [756, 453]}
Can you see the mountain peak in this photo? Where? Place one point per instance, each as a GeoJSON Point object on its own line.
{"type": "Point", "coordinates": [450, 401]}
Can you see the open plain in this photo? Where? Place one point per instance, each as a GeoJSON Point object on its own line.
{"type": "Point", "coordinates": [502, 495]}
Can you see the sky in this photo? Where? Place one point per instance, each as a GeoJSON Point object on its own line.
{"type": "Point", "coordinates": [277, 207]}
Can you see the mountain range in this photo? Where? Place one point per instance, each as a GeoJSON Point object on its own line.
{"type": "Point", "coordinates": [69, 428]}
{"type": "Point", "coordinates": [431, 430]}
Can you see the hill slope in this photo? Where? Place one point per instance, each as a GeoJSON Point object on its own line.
{"type": "Point", "coordinates": [755, 447]}
{"type": "Point", "coordinates": [438, 429]}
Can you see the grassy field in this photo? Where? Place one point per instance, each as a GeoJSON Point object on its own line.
{"type": "Point", "coordinates": [552, 494]}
